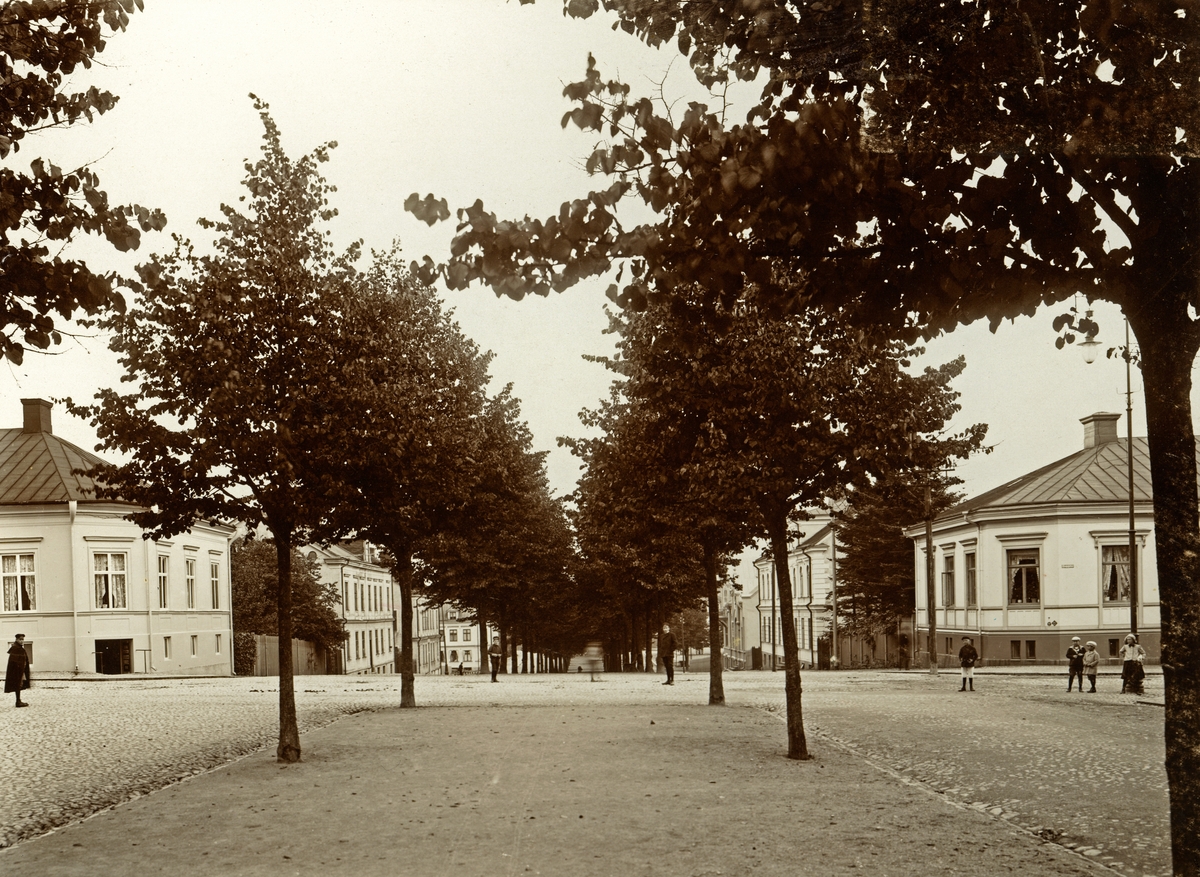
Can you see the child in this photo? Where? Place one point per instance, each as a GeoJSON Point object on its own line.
{"type": "Point", "coordinates": [1091, 663]}
{"type": "Point", "coordinates": [967, 656]}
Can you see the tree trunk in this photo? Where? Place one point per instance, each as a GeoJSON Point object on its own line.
{"type": "Point", "coordinates": [408, 696]}
{"type": "Point", "coordinates": [716, 688]}
{"type": "Point", "coordinates": [484, 644]}
{"type": "Point", "coordinates": [503, 646]}
{"type": "Point", "coordinates": [1167, 355]}
{"type": "Point", "coordinates": [777, 527]}
{"type": "Point", "coordinates": [525, 651]}
{"type": "Point", "coordinates": [648, 643]}
{"type": "Point", "coordinates": [289, 731]}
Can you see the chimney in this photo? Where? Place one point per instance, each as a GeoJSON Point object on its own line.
{"type": "Point", "coordinates": [1099, 429]}
{"type": "Point", "coordinates": [37, 415]}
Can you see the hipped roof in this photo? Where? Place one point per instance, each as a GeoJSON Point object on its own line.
{"type": "Point", "coordinates": [1093, 475]}
{"type": "Point", "coordinates": [37, 467]}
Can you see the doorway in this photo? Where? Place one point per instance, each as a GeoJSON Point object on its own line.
{"type": "Point", "coordinates": [114, 656]}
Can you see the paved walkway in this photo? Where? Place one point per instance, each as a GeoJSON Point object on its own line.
{"type": "Point", "coordinates": [494, 778]}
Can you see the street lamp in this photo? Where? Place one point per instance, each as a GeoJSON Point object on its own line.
{"type": "Point", "coordinates": [1090, 346]}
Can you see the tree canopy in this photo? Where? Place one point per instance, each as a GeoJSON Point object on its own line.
{"type": "Point", "coordinates": [232, 357]}
{"type": "Point", "coordinates": [41, 46]}
{"type": "Point", "coordinates": [920, 166]}
{"type": "Point", "coordinates": [255, 582]}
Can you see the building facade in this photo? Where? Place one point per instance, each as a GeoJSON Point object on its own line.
{"type": "Point", "coordinates": [89, 592]}
{"type": "Point", "coordinates": [1027, 566]}
{"type": "Point", "coordinates": [810, 567]}
{"type": "Point", "coordinates": [364, 585]}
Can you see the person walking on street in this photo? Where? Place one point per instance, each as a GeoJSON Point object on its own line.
{"type": "Point", "coordinates": [594, 656]}
{"type": "Point", "coordinates": [1075, 664]}
{"type": "Point", "coordinates": [494, 655]}
{"type": "Point", "coordinates": [967, 656]}
{"type": "Point", "coordinates": [666, 652]}
{"type": "Point", "coordinates": [1132, 671]}
{"type": "Point", "coordinates": [1091, 663]}
{"type": "Point", "coordinates": [16, 676]}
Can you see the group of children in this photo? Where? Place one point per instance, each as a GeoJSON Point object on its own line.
{"type": "Point", "coordinates": [1082, 661]}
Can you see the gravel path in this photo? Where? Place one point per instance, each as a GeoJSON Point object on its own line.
{"type": "Point", "coordinates": [1020, 751]}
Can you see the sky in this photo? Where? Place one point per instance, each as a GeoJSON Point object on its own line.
{"type": "Point", "coordinates": [462, 99]}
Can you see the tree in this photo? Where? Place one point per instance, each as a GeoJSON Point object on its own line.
{"type": "Point", "coordinates": [783, 411]}
{"type": "Point", "coordinates": [651, 438]}
{"type": "Point", "coordinates": [407, 425]}
{"type": "Point", "coordinates": [639, 552]}
{"type": "Point", "coordinates": [40, 211]}
{"type": "Point", "coordinates": [503, 554]}
{"type": "Point", "coordinates": [923, 166]}
{"type": "Point", "coordinates": [255, 582]}
{"type": "Point", "coordinates": [875, 559]}
{"type": "Point", "coordinates": [234, 365]}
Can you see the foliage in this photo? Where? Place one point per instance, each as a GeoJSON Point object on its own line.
{"type": "Point", "coordinates": [920, 166]}
{"type": "Point", "coordinates": [782, 412]}
{"type": "Point", "coordinates": [875, 558]}
{"type": "Point", "coordinates": [245, 653]}
{"type": "Point", "coordinates": [41, 45]}
{"type": "Point", "coordinates": [235, 377]}
{"type": "Point", "coordinates": [408, 424]}
{"type": "Point", "coordinates": [255, 596]}
{"type": "Point", "coordinates": [506, 551]}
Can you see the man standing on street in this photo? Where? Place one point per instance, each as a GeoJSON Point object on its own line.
{"type": "Point", "coordinates": [1075, 664]}
{"type": "Point", "coordinates": [494, 655]}
{"type": "Point", "coordinates": [16, 676]}
{"type": "Point", "coordinates": [666, 652]}
{"type": "Point", "coordinates": [967, 656]}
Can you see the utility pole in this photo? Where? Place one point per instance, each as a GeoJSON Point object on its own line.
{"type": "Point", "coordinates": [1133, 567]}
{"type": "Point", "coordinates": [930, 588]}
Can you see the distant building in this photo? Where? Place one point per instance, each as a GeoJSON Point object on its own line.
{"type": "Point", "coordinates": [461, 644]}
{"type": "Point", "coordinates": [89, 592]}
{"type": "Point", "coordinates": [1027, 566]}
{"type": "Point", "coordinates": [365, 586]}
{"type": "Point", "coordinates": [810, 570]}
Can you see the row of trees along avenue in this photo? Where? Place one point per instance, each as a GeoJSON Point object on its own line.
{"type": "Point", "coordinates": [729, 422]}
{"type": "Point", "coordinates": [277, 385]}
{"type": "Point", "coordinates": [917, 166]}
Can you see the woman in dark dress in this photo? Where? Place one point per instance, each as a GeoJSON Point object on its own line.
{"type": "Point", "coordinates": [16, 677]}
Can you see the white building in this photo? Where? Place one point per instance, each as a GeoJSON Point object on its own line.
{"type": "Point", "coordinates": [460, 642]}
{"type": "Point", "coordinates": [365, 586]}
{"type": "Point", "coordinates": [1027, 566]}
{"type": "Point", "coordinates": [89, 592]}
{"type": "Point", "coordinates": [810, 567]}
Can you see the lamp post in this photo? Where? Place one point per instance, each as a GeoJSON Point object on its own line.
{"type": "Point", "coordinates": [1090, 347]}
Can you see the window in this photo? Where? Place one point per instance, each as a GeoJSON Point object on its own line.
{"type": "Point", "coordinates": [164, 580]}
{"type": "Point", "coordinates": [214, 576]}
{"type": "Point", "coordinates": [195, 644]}
{"type": "Point", "coordinates": [1115, 566]}
{"type": "Point", "coordinates": [109, 577]}
{"type": "Point", "coordinates": [20, 591]}
{"type": "Point", "coordinates": [453, 655]}
{"type": "Point", "coordinates": [454, 636]}
{"type": "Point", "coordinates": [218, 643]}
{"type": "Point", "coordinates": [1024, 583]}
{"type": "Point", "coordinates": [948, 580]}
{"type": "Point", "coordinates": [949, 645]}
{"type": "Point", "coordinates": [1114, 647]}
{"type": "Point", "coordinates": [467, 655]}
{"type": "Point", "coordinates": [467, 635]}
{"type": "Point", "coordinates": [1031, 649]}
{"type": "Point", "coordinates": [1014, 649]}
{"type": "Point", "coordinates": [190, 581]}
{"type": "Point", "coordinates": [166, 647]}
{"type": "Point", "coordinates": [969, 573]}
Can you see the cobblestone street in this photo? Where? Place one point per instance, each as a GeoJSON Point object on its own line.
{"type": "Point", "coordinates": [1065, 767]}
